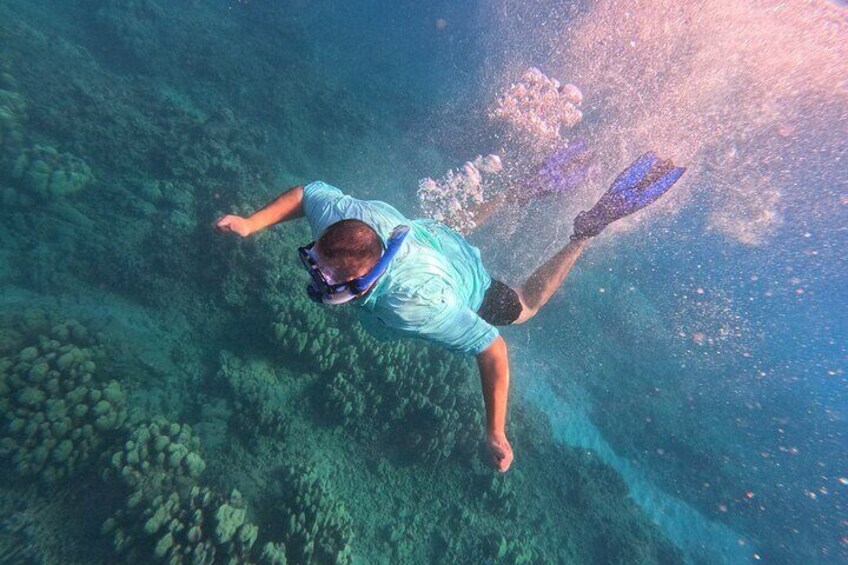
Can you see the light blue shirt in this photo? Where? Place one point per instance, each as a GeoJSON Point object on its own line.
{"type": "Point", "coordinates": [432, 288]}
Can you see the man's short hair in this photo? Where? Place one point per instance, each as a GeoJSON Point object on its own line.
{"type": "Point", "coordinates": [351, 245]}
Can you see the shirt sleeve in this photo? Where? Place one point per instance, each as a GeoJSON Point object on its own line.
{"type": "Point", "coordinates": [441, 320]}
{"type": "Point", "coordinates": [320, 206]}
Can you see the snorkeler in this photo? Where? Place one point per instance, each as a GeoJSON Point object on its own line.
{"type": "Point", "coordinates": [419, 278]}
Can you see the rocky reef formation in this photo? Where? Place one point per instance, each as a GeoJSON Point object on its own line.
{"type": "Point", "coordinates": [39, 173]}
{"type": "Point", "coordinates": [42, 174]}
{"type": "Point", "coordinates": [259, 399]}
{"type": "Point", "coordinates": [57, 410]}
{"type": "Point", "coordinates": [169, 516]}
{"type": "Point", "coordinates": [157, 457]}
{"type": "Point", "coordinates": [197, 526]}
{"type": "Point", "coordinates": [319, 529]}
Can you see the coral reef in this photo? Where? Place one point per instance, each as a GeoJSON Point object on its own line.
{"type": "Point", "coordinates": [12, 114]}
{"type": "Point", "coordinates": [57, 411]}
{"type": "Point", "coordinates": [260, 404]}
{"type": "Point", "coordinates": [158, 457]}
{"type": "Point", "coordinates": [516, 548]}
{"type": "Point", "coordinates": [319, 529]}
{"type": "Point", "coordinates": [170, 517]}
{"type": "Point", "coordinates": [43, 174]}
{"type": "Point", "coordinates": [499, 495]}
{"type": "Point", "coordinates": [19, 328]}
{"type": "Point", "coordinates": [130, 25]}
{"type": "Point", "coordinates": [512, 551]}
{"type": "Point", "coordinates": [453, 198]}
{"type": "Point", "coordinates": [167, 515]}
{"type": "Point", "coordinates": [303, 329]}
{"type": "Point", "coordinates": [198, 526]}
{"type": "Point", "coordinates": [433, 413]}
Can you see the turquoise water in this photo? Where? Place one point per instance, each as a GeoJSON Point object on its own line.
{"type": "Point", "coordinates": [169, 393]}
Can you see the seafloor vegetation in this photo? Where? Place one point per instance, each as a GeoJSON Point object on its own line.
{"type": "Point", "coordinates": [171, 395]}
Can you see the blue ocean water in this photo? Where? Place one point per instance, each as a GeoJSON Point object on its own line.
{"type": "Point", "coordinates": [169, 394]}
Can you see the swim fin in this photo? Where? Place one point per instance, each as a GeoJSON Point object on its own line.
{"type": "Point", "coordinates": [563, 170]}
{"type": "Point", "coordinates": [640, 184]}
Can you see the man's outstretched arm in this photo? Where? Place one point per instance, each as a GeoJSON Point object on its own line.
{"type": "Point", "coordinates": [494, 378]}
{"type": "Point", "coordinates": [287, 206]}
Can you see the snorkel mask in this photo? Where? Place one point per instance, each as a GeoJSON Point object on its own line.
{"type": "Point", "coordinates": [324, 292]}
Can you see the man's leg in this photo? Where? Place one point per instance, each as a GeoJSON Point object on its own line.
{"type": "Point", "coordinates": [563, 170]}
{"type": "Point", "coordinates": [640, 184]}
{"type": "Point", "coordinates": [484, 211]}
{"type": "Point", "coordinates": [542, 284]}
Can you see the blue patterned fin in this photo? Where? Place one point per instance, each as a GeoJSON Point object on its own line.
{"type": "Point", "coordinates": [658, 187]}
{"type": "Point", "coordinates": [634, 173]}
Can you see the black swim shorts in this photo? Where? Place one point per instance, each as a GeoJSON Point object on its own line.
{"type": "Point", "coordinates": [501, 305]}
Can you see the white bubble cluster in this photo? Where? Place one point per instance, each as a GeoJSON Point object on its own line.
{"type": "Point", "coordinates": [454, 198]}
{"type": "Point", "coordinates": [539, 107]}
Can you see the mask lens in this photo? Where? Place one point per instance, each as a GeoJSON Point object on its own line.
{"type": "Point", "coordinates": [311, 267]}
{"type": "Point", "coordinates": [305, 260]}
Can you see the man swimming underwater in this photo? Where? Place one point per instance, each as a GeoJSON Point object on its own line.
{"type": "Point", "coordinates": [419, 278]}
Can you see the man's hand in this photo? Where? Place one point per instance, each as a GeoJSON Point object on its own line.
{"type": "Point", "coordinates": [235, 224]}
{"type": "Point", "coordinates": [501, 452]}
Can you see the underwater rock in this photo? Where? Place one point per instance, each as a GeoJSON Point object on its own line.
{"type": "Point", "coordinates": [57, 411]}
